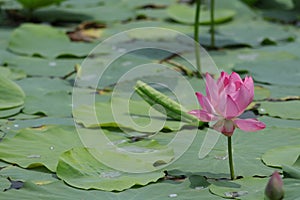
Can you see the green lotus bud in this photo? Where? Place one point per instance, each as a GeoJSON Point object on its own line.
{"type": "Point", "coordinates": [274, 188]}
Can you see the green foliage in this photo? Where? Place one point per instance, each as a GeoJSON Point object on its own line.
{"type": "Point", "coordinates": [247, 188]}
{"type": "Point", "coordinates": [11, 94]}
{"type": "Point", "coordinates": [35, 4]}
{"type": "Point", "coordinates": [285, 110]}
{"type": "Point", "coordinates": [46, 145]}
{"type": "Point", "coordinates": [44, 41]}
{"type": "Point", "coordinates": [80, 169]}
{"type": "Point", "coordinates": [185, 14]}
{"type": "Point", "coordinates": [41, 148]}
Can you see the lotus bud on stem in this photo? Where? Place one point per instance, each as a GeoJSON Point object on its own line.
{"type": "Point", "coordinates": [274, 188]}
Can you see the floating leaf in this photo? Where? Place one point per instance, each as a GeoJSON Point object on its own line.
{"type": "Point", "coordinates": [116, 115]}
{"type": "Point", "coordinates": [45, 41]}
{"type": "Point", "coordinates": [34, 66]}
{"type": "Point", "coordinates": [185, 14]}
{"type": "Point", "coordinates": [39, 176]}
{"type": "Point", "coordinates": [97, 12]}
{"type": "Point", "coordinates": [4, 184]}
{"type": "Point", "coordinates": [285, 109]}
{"type": "Point", "coordinates": [248, 149]}
{"type": "Point", "coordinates": [281, 91]}
{"type": "Point", "coordinates": [60, 191]}
{"type": "Point", "coordinates": [10, 112]}
{"type": "Point", "coordinates": [11, 94]}
{"type": "Point", "coordinates": [291, 189]}
{"type": "Point", "coordinates": [44, 104]}
{"type": "Point", "coordinates": [46, 145]}
{"type": "Point", "coordinates": [234, 34]}
{"type": "Point", "coordinates": [281, 123]}
{"type": "Point", "coordinates": [36, 121]}
{"type": "Point", "coordinates": [80, 169]}
{"type": "Point", "coordinates": [261, 93]}
{"type": "Point", "coordinates": [245, 188]}
{"type": "Point", "coordinates": [35, 4]}
{"type": "Point", "coordinates": [271, 71]}
{"type": "Point", "coordinates": [12, 74]}
{"type": "Point", "coordinates": [145, 3]}
{"type": "Point", "coordinates": [56, 190]}
{"type": "Point", "coordinates": [39, 86]}
{"type": "Point", "coordinates": [285, 155]}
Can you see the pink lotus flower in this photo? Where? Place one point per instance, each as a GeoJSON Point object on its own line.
{"type": "Point", "coordinates": [227, 98]}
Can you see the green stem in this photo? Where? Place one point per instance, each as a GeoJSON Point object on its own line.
{"type": "Point", "coordinates": [196, 37]}
{"type": "Point", "coordinates": [212, 23]}
{"type": "Point", "coordinates": [230, 158]}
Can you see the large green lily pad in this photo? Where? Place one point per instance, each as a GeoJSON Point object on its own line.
{"type": "Point", "coordinates": [114, 115]}
{"type": "Point", "coordinates": [79, 168]}
{"type": "Point", "coordinates": [46, 145]}
{"type": "Point", "coordinates": [291, 188]}
{"type": "Point", "coordinates": [282, 91]}
{"type": "Point", "coordinates": [246, 188]}
{"type": "Point", "coordinates": [38, 55]}
{"type": "Point", "coordinates": [285, 109]}
{"type": "Point", "coordinates": [56, 190]}
{"type": "Point", "coordinates": [29, 121]}
{"type": "Point", "coordinates": [285, 155]}
{"type": "Point", "coordinates": [34, 66]}
{"type": "Point", "coordinates": [248, 149]}
{"type": "Point", "coordinates": [43, 105]}
{"type": "Point", "coordinates": [281, 123]}
{"type": "Point", "coordinates": [271, 72]}
{"type": "Point", "coordinates": [35, 4]}
{"type": "Point", "coordinates": [60, 191]}
{"type": "Point", "coordinates": [45, 41]}
{"type": "Point", "coordinates": [39, 176]}
{"type": "Point", "coordinates": [185, 14]}
{"type": "Point", "coordinates": [39, 86]}
{"type": "Point", "coordinates": [4, 183]}
{"type": "Point", "coordinates": [11, 94]}
{"type": "Point", "coordinates": [96, 11]}
{"type": "Point", "coordinates": [10, 112]}
{"type": "Point", "coordinates": [12, 74]}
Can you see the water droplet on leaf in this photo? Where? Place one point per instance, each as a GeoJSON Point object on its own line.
{"type": "Point", "coordinates": [221, 157]}
{"type": "Point", "coordinates": [262, 110]}
{"type": "Point", "coordinates": [173, 195]}
{"type": "Point", "coordinates": [34, 156]}
{"type": "Point", "coordinates": [236, 194]}
{"type": "Point", "coordinates": [52, 64]}
{"type": "Point", "coordinates": [111, 174]}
